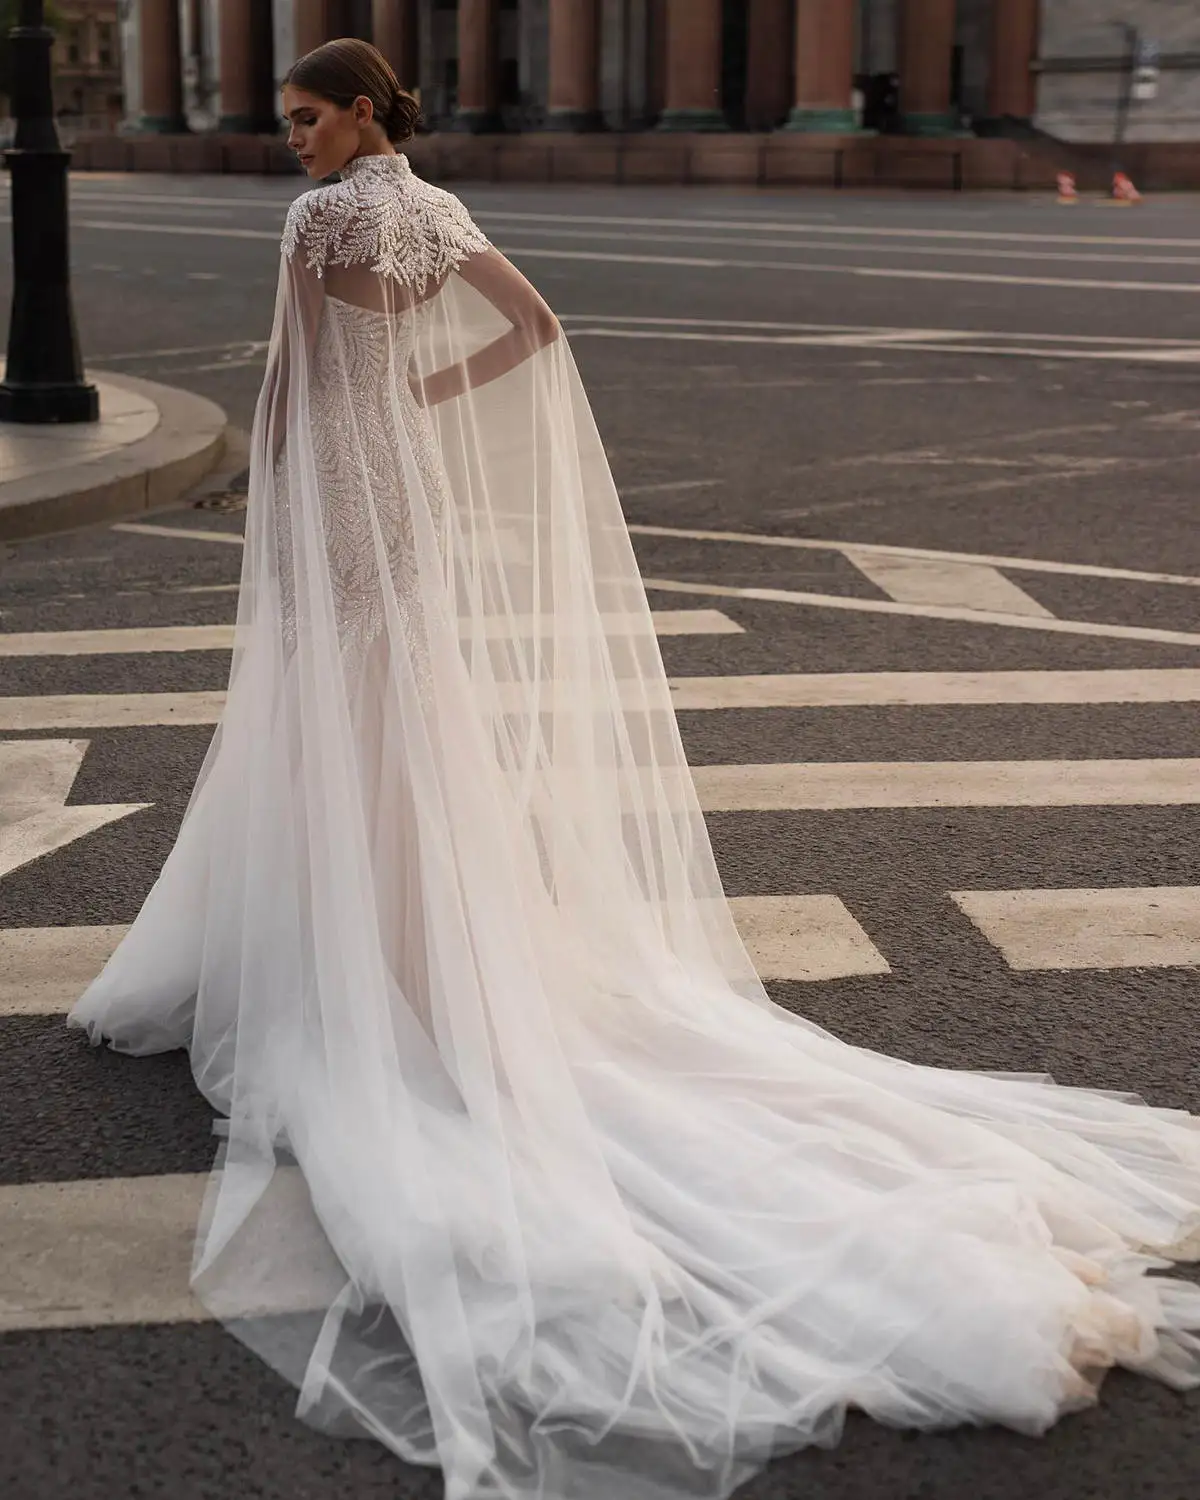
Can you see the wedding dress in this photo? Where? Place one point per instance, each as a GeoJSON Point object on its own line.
{"type": "Point", "coordinates": [522, 1172]}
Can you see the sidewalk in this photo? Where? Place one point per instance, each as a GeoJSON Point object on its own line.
{"type": "Point", "coordinates": [151, 444]}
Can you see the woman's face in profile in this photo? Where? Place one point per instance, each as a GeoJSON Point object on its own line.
{"type": "Point", "coordinates": [321, 133]}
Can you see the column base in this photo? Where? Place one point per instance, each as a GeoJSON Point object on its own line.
{"type": "Point", "coordinates": [822, 121]}
{"type": "Point", "coordinates": [243, 125]}
{"type": "Point", "coordinates": [162, 125]}
{"type": "Point", "coordinates": [477, 121]}
{"type": "Point", "coordinates": [933, 126]}
{"type": "Point", "coordinates": [692, 119]}
{"type": "Point", "coordinates": [575, 120]}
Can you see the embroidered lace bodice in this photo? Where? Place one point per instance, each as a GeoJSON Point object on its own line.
{"type": "Point", "coordinates": [382, 215]}
{"type": "Point", "coordinates": [362, 414]}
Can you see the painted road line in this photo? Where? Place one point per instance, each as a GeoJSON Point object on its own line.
{"type": "Point", "coordinates": [179, 533]}
{"type": "Point", "coordinates": [117, 642]}
{"type": "Point", "coordinates": [114, 1250]}
{"type": "Point", "coordinates": [107, 711]}
{"type": "Point", "coordinates": [44, 970]}
{"type": "Point", "coordinates": [805, 937]}
{"type": "Point", "coordinates": [220, 637]}
{"type": "Point", "coordinates": [840, 786]}
{"type": "Point", "coordinates": [1141, 927]}
{"type": "Point", "coordinates": [924, 689]}
{"type": "Point", "coordinates": [118, 1251]}
{"type": "Point", "coordinates": [36, 777]}
{"type": "Point", "coordinates": [70, 711]}
{"type": "Point", "coordinates": [921, 580]}
{"type": "Point", "coordinates": [881, 550]}
{"type": "Point", "coordinates": [924, 611]}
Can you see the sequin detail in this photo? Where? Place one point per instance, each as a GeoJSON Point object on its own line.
{"type": "Point", "coordinates": [383, 216]}
{"type": "Point", "coordinates": [364, 419]}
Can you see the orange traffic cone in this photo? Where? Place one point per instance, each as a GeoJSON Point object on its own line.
{"type": "Point", "coordinates": [1123, 190]}
{"type": "Point", "coordinates": [1067, 191]}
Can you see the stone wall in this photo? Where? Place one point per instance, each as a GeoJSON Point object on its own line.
{"type": "Point", "coordinates": [1082, 105]}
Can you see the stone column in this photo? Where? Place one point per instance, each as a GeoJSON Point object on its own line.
{"type": "Point", "coordinates": [574, 102]}
{"type": "Point", "coordinates": [825, 37]}
{"type": "Point", "coordinates": [478, 78]}
{"type": "Point", "coordinates": [768, 63]}
{"type": "Point", "coordinates": [394, 29]}
{"type": "Point", "coordinates": [310, 21]}
{"type": "Point", "coordinates": [926, 50]}
{"type": "Point", "coordinates": [239, 96]}
{"type": "Point", "coordinates": [1012, 86]}
{"type": "Point", "coordinates": [693, 97]}
{"type": "Point", "coordinates": [161, 68]}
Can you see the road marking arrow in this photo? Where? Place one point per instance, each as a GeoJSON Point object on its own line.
{"type": "Point", "coordinates": [36, 777]}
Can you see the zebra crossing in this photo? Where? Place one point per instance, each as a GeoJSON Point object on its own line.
{"type": "Point", "coordinates": [792, 936]}
{"type": "Point", "coordinates": [114, 1251]}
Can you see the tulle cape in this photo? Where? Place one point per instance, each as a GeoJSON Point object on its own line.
{"type": "Point", "coordinates": [522, 1171]}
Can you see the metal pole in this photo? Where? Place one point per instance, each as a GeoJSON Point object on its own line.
{"type": "Point", "coordinates": [43, 381]}
{"type": "Point", "coordinates": [1125, 98]}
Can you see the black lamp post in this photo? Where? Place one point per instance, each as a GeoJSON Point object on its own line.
{"type": "Point", "coordinates": [44, 378]}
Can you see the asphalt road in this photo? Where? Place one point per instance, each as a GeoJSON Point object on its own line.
{"type": "Point", "coordinates": [999, 378]}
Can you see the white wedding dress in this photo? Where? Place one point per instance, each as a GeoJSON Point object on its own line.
{"type": "Point", "coordinates": [522, 1172]}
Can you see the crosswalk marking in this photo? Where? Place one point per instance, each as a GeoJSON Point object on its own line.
{"type": "Point", "coordinates": [883, 689]}
{"type": "Point", "coordinates": [921, 580]}
{"type": "Point", "coordinates": [90, 1254]}
{"type": "Point", "coordinates": [221, 637]}
{"type": "Point", "coordinates": [72, 711]}
{"type": "Point", "coordinates": [36, 777]}
{"type": "Point", "coordinates": [1155, 927]}
{"type": "Point", "coordinates": [805, 937]}
{"type": "Point", "coordinates": [108, 710]}
{"type": "Point", "coordinates": [925, 611]}
{"type": "Point", "coordinates": [837, 786]}
{"type": "Point", "coordinates": [44, 970]}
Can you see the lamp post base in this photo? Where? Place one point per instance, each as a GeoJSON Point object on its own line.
{"type": "Point", "coordinates": [49, 403]}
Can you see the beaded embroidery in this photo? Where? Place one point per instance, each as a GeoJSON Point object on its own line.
{"type": "Point", "coordinates": [382, 215]}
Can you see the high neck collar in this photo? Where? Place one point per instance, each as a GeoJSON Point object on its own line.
{"type": "Point", "coordinates": [391, 165]}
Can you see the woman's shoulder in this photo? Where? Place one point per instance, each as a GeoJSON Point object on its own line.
{"type": "Point", "coordinates": [383, 215]}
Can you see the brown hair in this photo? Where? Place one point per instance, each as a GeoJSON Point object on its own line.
{"type": "Point", "coordinates": [342, 70]}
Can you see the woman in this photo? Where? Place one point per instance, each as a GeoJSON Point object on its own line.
{"type": "Point", "coordinates": [523, 1173]}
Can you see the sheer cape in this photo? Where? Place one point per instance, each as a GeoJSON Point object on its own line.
{"type": "Point", "coordinates": [523, 1173]}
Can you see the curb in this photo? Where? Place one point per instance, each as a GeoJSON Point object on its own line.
{"type": "Point", "coordinates": [186, 444]}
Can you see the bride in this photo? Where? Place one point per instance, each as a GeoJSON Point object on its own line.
{"type": "Point", "coordinates": [521, 1171]}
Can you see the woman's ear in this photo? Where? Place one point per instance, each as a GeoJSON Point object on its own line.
{"type": "Point", "coordinates": [364, 111]}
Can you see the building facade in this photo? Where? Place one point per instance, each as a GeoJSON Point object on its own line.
{"type": "Point", "coordinates": [87, 63]}
{"type": "Point", "coordinates": [820, 67]}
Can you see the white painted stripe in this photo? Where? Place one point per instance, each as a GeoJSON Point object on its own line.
{"type": "Point", "coordinates": [863, 330]}
{"type": "Point", "coordinates": [115, 1250]}
{"type": "Point", "coordinates": [36, 777]}
{"type": "Point", "coordinates": [87, 192]}
{"type": "Point", "coordinates": [881, 549]}
{"type": "Point", "coordinates": [117, 642]}
{"type": "Point", "coordinates": [919, 580]}
{"type": "Point", "coordinates": [926, 612]}
{"type": "Point", "coordinates": [140, 641]}
{"type": "Point", "coordinates": [808, 226]}
{"type": "Point", "coordinates": [44, 970]}
{"type": "Point", "coordinates": [108, 710]}
{"type": "Point", "coordinates": [1146, 927]}
{"type": "Point", "coordinates": [185, 533]}
{"type": "Point", "coordinates": [838, 786]}
{"type": "Point", "coordinates": [921, 342]}
{"type": "Point", "coordinates": [71, 711]}
{"type": "Point", "coordinates": [805, 937]}
{"type": "Point", "coordinates": [924, 689]}
{"type": "Point", "coordinates": [832, 268]}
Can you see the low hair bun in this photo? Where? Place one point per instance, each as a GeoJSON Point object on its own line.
{"type": "Point", "coordinates": [402, 118]}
